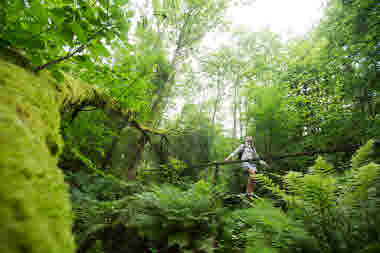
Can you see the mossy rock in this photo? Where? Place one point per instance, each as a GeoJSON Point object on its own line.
{"type": "Point", "coordinates": [35, 210]}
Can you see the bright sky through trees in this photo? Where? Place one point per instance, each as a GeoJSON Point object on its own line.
{"type": "Point", "coordinates": [281, 16]}
{"type": "Point", "coordinates": [288, 18]}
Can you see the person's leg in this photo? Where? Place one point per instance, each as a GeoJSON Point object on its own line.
{"type": "Point", "coordinates": [251, 180]}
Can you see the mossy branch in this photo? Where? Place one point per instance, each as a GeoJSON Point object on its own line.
{"type": "Point", "coordinates": [33, 190]}
{"type": "Point", "coordinates": [76, 96]}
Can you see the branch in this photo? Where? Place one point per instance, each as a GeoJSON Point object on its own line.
{"type": "Point", "coordinates": [69, 55]}
{"type": "Point", "coordinates": [78, 50]}
{"type": "Point", "coordinates": [132, 83]}
{"type": "Point", "coordinates": [310, 153]}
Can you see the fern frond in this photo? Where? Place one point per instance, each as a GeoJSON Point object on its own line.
{"type": "Point", "coordinates": [321, 167]}
{"type": "Point", "coordinates": [270, 185]}
{"type": "Point", "coordinates": [363, 155]}
{"type": "Point", "coordinates": [363, 181]}
{"type": "Point", "coordinates": [272, 229]}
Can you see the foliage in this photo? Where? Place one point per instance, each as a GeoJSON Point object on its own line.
{"type": "Point", "coordinates": [187, 21]}
{"type": "Point", "coordinates": [332, 76]}
{"type": "Point", "coordinates": [97, 202]}
{"type": "Point", "coordinates": [275, 128]}
{"type": "Point", "coordinates": [171, 173]}
{"type": "Point", "coordinates": [172, 217]}
{"type": "Point", "coordinates": [324, 213]}
{"type": "Point", "coordinates": [45, 31]}
{"type": "Point", "coordinates": [35, 208]}
{"type": "Point", "coordinates": [363, 155]}
{"type": "Point", "coordinates": [197, 138]}
{"type": "Point", "coordinates": [319, 92]}
{"type": "Point", "coordinates": [87, 138]}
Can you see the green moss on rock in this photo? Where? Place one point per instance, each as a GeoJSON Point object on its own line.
{"type": "Point", "coordinates": [35, 210]}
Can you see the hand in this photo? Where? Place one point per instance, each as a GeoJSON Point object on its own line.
{"type": "Point", "coordinates": [227, 159]}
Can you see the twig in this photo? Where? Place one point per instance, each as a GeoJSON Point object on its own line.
{"type": "Point", "coordinates": [69, 55]}
{"type": "Point", "coordinates": [93, 3]}
{"type": "Point", "coordinates": [132, 83]}
{"type": "Point", "coordinates": [78, 50]}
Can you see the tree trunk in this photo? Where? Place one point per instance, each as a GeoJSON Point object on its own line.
{"type": "Point", "coordinates": [234, 113]}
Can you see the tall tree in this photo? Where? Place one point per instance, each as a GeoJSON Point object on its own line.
{"type": "Point", "coordinates": [181, 24]}
{"type": "Point", "coordinates": [184, 24]}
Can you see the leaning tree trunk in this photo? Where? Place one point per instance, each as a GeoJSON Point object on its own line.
{"type": "Point", "coordinates": [35, 209]}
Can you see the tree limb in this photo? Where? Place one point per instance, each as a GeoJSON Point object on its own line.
{"type": "Point", "coordinates": [69, 55]}
{"type": "Point", "coordinates": [279, 157]}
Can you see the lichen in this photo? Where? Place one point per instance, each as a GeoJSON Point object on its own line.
{"type": "Point", "coordinates": [35, 210]}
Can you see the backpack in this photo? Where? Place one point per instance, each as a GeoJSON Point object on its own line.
{"type": "Point", "coordinates": [240, 154]}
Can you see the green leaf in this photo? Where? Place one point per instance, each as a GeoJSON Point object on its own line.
{"type": "Point", "coordinates": [121, 2]}
{"type": "Point", "coordinates": [37, 59]}
{"type": "Point", "coordinates": [84, 61]}
{"type": "Point", "coordinates": [19, 4]}
{"type": "Point", "coordinates": [99, 49]}
{"type": "Point", "coordinates": [35, 28]}
{"type": "Point", "coordinates": [124, 27]}
{"type": "Point", "coordinates": [116, 12]}
{"type": "Point", "coordinates": [35, 43]}
{"type": "Point", "coordinates": [104, 2]}
{"type": "Point", "coordinates": [37, 9]}
{"type": "Point", "coordinates": [58, 16]}
{"type": "Point", "coordinates": [58, 75]}
{"type": "Point", "coordinates": [79, 32]}
{"type": "Point", "coordinates": [65, 34]}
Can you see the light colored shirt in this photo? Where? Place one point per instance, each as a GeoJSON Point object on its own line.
{"type": "Point", "coordinates": [249, 152]}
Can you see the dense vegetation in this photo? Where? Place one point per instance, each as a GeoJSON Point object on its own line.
{"type": "Point", "coordinates": [109, 106]}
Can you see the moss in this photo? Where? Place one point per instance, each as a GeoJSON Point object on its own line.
{"type": "Point", "coordinates": [74, 93]}
{"type": "Point", "coordinates": [35, 209]}
{"type": "Point", "coordinates": [15, 57]}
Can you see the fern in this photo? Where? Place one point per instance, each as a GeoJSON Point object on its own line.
{"type": "Point", "coordinates": [361, 184]}
{"type": "Point", "coordinates": [362, 155]}
{"type": "Point", "coordinates": [269, 229]}
{"type": "Point", "coordinates": [330, 212]}
{"type": "Point", "coordinates": [185, 218]}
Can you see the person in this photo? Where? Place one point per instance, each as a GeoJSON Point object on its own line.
{"type": "Point", "coordinates": [248, 152]}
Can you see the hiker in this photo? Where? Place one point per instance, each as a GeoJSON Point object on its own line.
{"type": "Point", "coordinates": [248, 151]}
